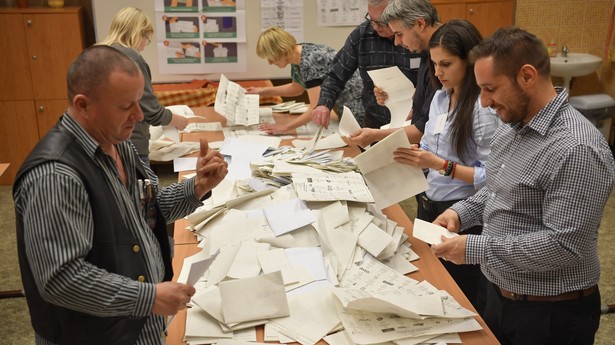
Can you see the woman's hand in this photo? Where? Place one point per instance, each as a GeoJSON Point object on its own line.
{"type": "Point", "coordinates": [272, 128]}
{"type": "Point", "coordinates": [364, 136]}
{"type": "Point", "coordinates": [418, 157]}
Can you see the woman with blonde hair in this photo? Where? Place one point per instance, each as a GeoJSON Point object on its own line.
{"type": "Point", "coordinates": [309, 66]}
{"type": "Point", "coordinates": [131, 31]}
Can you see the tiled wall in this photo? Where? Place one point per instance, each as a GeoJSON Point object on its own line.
{"type": "Point", "coordinates": [580, 24]}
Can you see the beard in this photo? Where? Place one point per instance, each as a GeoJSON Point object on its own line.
{"type": "Point", "coordinates": [518, 108]}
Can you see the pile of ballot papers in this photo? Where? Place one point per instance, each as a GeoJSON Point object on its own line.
{"type": "Point", "coordinates": [277, 166]}
{"type": "Point", "coordinates": [292, 107]}
{"type": "Point", "coordinates": [313, 259]}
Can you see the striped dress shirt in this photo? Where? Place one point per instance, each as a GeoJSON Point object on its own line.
{"type": "Point", "coordinates": [547, 184]}
{"type": "Point", "coordinates": [59, 230]}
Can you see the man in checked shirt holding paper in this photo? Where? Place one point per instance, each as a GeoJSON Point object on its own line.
{"type": "Point", "coordinates": [549, 176]}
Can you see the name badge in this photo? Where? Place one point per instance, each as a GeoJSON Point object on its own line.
{"type": "Point", "coordinates": [440, 123]}
{"type": "Point", "coordinates": [415, 63]}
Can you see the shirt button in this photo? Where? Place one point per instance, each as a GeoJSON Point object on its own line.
{"type": "Point", "coordinates": [136, 248]}
{"type": "Point", "coordinates": [141, 278]}
{"type": "Point", "coordinates": [503, 166]}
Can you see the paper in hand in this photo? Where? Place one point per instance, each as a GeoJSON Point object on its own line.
{"type": "Point", "coordinates": [429, 232]}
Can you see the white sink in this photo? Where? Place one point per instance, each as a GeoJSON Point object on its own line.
{"type": "Point", "coordinates": [575, 65]}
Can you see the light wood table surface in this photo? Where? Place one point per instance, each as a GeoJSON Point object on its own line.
{"type": "Point", "coordinates": [429, 265]}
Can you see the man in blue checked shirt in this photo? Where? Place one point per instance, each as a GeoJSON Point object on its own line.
{"type": "Point", "coordinates": [550, 173]}
{"type": "Point", "coordinates": [369, 46]}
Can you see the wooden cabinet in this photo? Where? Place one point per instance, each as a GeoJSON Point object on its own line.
{"type": "Point", "coordinates": [486, 15]}
{"type": "Point", "coordinates": [37, 45]}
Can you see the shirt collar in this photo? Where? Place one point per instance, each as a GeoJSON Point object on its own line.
{"type": "Point", "coordinates": [543, 119]}
{"type": "Point", "coordinates": [90, 146]}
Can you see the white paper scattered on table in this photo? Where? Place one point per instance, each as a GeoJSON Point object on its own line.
{"type": "Point", "coordinates": [264, 294]}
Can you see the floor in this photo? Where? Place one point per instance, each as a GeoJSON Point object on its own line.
{"type": "Point", "coordinates": [15, 327]}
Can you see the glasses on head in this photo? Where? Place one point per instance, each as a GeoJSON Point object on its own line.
{"type": "Point", "coordinates": [375, 22]}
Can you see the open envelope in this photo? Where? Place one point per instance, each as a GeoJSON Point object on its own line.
{"type": "Point", "coordinates": [265, 296]}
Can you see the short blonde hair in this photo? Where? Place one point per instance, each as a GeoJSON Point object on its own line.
{"type": "Point", "coordinates": [275, 43]}
{"type": "Point", "coordinates": [128, 28]}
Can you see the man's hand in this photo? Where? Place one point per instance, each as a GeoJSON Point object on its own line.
{"type": "Point", "coordinates": [210, 170]}
{"type": "Point", "coordinates": [451, 249]}
{"type": "Point", "coordinates": [449, 219]}
{"type": "Point", "coordinates": [381, 95]}
{"type": "Point", "coordinates": [321, 116]}
{"type": "Point", "coordinates": [171, 297]}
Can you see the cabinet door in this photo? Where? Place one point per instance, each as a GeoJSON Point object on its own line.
{"type": "Point", "coordinates": [54, 40]}
{"type": "Point", "coordinates": [15, 81]}
{"type": "Point", "coordinates": [48, 112]}
{"type": "Point", "coordinates": [490, 16]}
{"type": "Point", "coordinates": [451, 11]}
{"type": "Point", "coordinates": [18, 135]}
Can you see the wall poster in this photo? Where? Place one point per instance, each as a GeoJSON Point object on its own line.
{"type": "Point", "coordinates": [200, 36]}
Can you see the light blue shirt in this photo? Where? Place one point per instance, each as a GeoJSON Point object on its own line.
{"type": "Point", "coordinates": [444, 188]}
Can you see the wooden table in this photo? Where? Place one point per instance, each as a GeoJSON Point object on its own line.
{"type": "Point", "coordinates": [429, 265]}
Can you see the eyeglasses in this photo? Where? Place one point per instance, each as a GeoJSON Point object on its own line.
{"type": "Point", "coordinates": [149, 40]}
{"type": "Point", "coordinates": [376, 22]}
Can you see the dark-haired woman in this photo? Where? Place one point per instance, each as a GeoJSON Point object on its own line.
{"type": "Point", "coordinates": [455, 146]}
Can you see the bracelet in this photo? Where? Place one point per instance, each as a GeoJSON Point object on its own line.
{"type": "Point", "coordinates": [454, 169]}
{"type": "Point", "coordinates": [447, 168]}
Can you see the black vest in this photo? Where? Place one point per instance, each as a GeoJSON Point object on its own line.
{"type": "Point", "coordinates": [112, 250]}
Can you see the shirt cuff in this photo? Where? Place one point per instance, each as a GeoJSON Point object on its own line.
{"type": "Point", "coordinates": [145, 299]}
{"type": "Point", "coordinates": [475, 249]}
{"type": "Point", "coordinates": [190, 196]}
{"type": "Point", "coordinates": [326, 102]}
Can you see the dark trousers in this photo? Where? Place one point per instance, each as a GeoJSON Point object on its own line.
{"type": "Point", "coordinates": [572, 322]}
{"type": "Point", "coordinates": [469, 278]}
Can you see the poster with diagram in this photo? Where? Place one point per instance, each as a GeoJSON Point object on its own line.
{"type": "Point", "coordinates": [200, 36]}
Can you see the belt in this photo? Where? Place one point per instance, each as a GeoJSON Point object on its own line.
{"type": "Point", "coordinates": [566, 296]}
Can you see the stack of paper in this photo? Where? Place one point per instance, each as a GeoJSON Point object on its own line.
{"type": "Point", "coordinates": [292, 107]}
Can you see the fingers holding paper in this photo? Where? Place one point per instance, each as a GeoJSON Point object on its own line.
{"type": "Point", "coordinates": [381, 95]}
{"type": "Point", "coordinates": [451, 249]}
{"type": "Point", "coordinates": [171, 297]}
{"type": "Point", "coordinates": [417, 157]}
{"type": "Point", "coordinates": [321, 116]}
{"type": "Point", "coordinates": [449, 219]}
{"type": "Point", "coordinates": [364, 136]}
{"type": "Point", "coordinates": [210, 170]}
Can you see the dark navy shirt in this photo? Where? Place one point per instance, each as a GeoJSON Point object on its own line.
{"type": "Point", "coordinates": [365, 50]}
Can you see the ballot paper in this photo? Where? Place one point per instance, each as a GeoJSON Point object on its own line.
{"type": "Point", "coordinates": [430, 232]}
{"type": "Point", "coordinates": [312, 316]}
{"type": "Point", "coordinates": [182, 110]}
{"type": "Point", "coordinates": [235, 105]}
{"type": "Point", "coordinates": [264, 294]}
{"type": "Point", "coordinates": [348, 123]}
{"type": "Point", "coordinates": [389, 181]}
{"type": "Point", "coordinates": [332, 187]}
{"type": "Point", "coordinates": [399, 90]}
{"type": "Point", "coordinates": [197, 268]}
{"type": "Point", "coordinates": [288, 215]}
